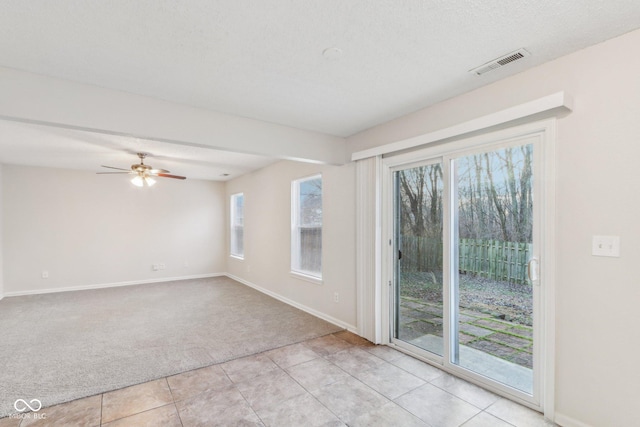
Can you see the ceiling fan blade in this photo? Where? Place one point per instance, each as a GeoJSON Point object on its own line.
{"type": "Point", "coordinates": [158, 171]}
{"type": "Point", "coordinates": [110, 173]}
{"type": "Point", "coordinates": [166, 175]}
{"type": "Point", "coordinates": [111, 167]}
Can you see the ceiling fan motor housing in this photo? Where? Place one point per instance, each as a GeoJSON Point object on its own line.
{"type": "Point", "coordinates": [140, 168]}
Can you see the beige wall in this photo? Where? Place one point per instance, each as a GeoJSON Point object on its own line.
{"type": "Point", "coordinates": [267, 198]}
{"type": "Point", "coordinates": [1, 239]}
{"type": "Point", "coordinates": [598, 173]}
{"type": "Point", "coordinates": [86, 229]}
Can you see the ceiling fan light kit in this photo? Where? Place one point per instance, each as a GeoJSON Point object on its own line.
{"type": "Point", "coordinates": [144, 174]}
{"type": "Point", "coordinates": [140, 181]}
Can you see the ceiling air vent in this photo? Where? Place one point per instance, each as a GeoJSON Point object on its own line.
{"type": "Point", "coordinates": [500, 62]}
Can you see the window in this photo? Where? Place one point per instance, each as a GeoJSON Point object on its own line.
{"type": "Point", "coordinates": [237, 225]}
{"type": "Point", "coordinates": [306, 226]}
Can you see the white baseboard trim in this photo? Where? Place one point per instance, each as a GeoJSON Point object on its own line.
{"type": "Point", "coordinates": [111, 285]}
{"type": "Point", "coordinates": [566, 421]}
{"type": "Point", "coordinates": [323, 316]}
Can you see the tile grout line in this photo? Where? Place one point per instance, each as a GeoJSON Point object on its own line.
{"type": "Point", "coordinates": [146, 410]}
{"type": "Point", "coordinates": [309, 392]}
{"type": "Point", "coordinates": [368, 386]}
{"type": "Point", "coordinates": [490, 414]}
{"type": "Point", "coordinates": [141, 412]}
{"type": "Point", "coordinates": [178, 412]}
{"type": "Point", "coordinates": [430, 382]}
{"type": "Point", "coordinates": [231, 383]}
{"type": "Point", "coordinates": [246, 401]}
{"type": "Point", "coordinates": [333, 364]}
{"type": "Point", "coordinates": [174, 400]}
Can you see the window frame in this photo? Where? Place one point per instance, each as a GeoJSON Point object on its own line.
{"type": "Point", "coordinates": [233, 224]}
{"type": "Point", "coordinates": [296, 252]}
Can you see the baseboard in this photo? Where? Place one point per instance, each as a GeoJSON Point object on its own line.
{"type": "Point", "coordinates": [566, 421]}
{"type": "Point", "coordinates": [316, 313]}
{"type": "Point", "coordinates": [110, 285]}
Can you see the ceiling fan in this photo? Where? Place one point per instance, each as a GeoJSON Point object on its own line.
{"type": "Point", "coordinates": [144, 174]}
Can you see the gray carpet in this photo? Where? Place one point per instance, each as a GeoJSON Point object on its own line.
{"type": "Point", "coordinates": [63, 346]}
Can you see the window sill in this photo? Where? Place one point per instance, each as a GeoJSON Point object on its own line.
{"type": "Point", "coordinates": [239, 258]}
{"type": "Point", "coordinates": [306, 277]}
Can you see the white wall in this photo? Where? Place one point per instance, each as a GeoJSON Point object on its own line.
{"type": "Point", "coordinates": [1, 239]}
{"type": "Point", "coordinates": [87, 229]}
{"type": "Point", "coordinates": [598, 173]}
{"type": "Point", "coordinates": [267, 219]}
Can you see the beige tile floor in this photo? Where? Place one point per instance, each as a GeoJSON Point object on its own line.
{"type": "Point", "coordinates": [335, 380]}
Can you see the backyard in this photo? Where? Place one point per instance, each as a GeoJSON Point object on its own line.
{"type": "Point", "coordinates": [490, 228]}
{"type": "Point", "coordinates": [495, 316]}
{"type": "Point", "coordinates": [498, 299]}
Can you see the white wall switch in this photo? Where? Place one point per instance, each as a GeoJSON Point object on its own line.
{"type": "Point", "coordinates": [45, 274]}
{"type": "Point", "coordinates": [606, 246]}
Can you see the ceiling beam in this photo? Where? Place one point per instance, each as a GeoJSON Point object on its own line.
{"type": "Point", "coordinates": [35, 98]}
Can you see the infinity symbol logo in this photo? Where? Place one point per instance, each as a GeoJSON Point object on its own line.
{"type": "Point", "coordinates": [34, 402]}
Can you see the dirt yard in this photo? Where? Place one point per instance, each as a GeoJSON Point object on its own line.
{"type": "Point", "coordinates": [502, 300]}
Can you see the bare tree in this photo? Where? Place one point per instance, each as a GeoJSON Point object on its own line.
{"type": "Point", "coordinates": [421, 195]}
{"type": "Point", "coordinates": [495, 195]}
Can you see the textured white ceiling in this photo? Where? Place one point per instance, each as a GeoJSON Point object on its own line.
{"type": "Point", "coordinates": [263, 59]}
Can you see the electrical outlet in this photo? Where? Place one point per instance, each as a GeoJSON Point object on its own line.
{"type": "Point", "coordinates": [45, 274]}
{"type": "Point", "coordinates": [186, 264]}
{"type": "Point", "coordinates": [336, 297]}
{"type": "Point", "coordinates": [154, 267]}
{"type": "Point", "coordinates": [162, 266]}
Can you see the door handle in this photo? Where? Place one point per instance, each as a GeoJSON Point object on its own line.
{"type": "Point", "coordinates": [399, 254]}
{"type": "Point", "coordinates": [532, 271]}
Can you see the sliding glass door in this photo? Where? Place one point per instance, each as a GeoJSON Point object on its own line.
{"type": "Point", "coordinates": [492, 229]}
{"type": "Point", "coordinates": [465, 262]}
{"type": "Point", "coordinates": [418, 253]}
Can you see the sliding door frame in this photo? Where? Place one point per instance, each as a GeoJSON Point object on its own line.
{"type": "Point", "coordinates": [545, 335]}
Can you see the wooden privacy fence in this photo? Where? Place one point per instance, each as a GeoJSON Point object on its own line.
{"type": "Point", "coordinates": [421, 254]}
{"type": "Point", "coordinates": [311, 249]}
{"type": "Point", "coordinates": [493, 259]}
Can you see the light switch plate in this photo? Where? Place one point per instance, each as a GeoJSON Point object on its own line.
{"type": "Point", "coordinates": [606, 246]}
